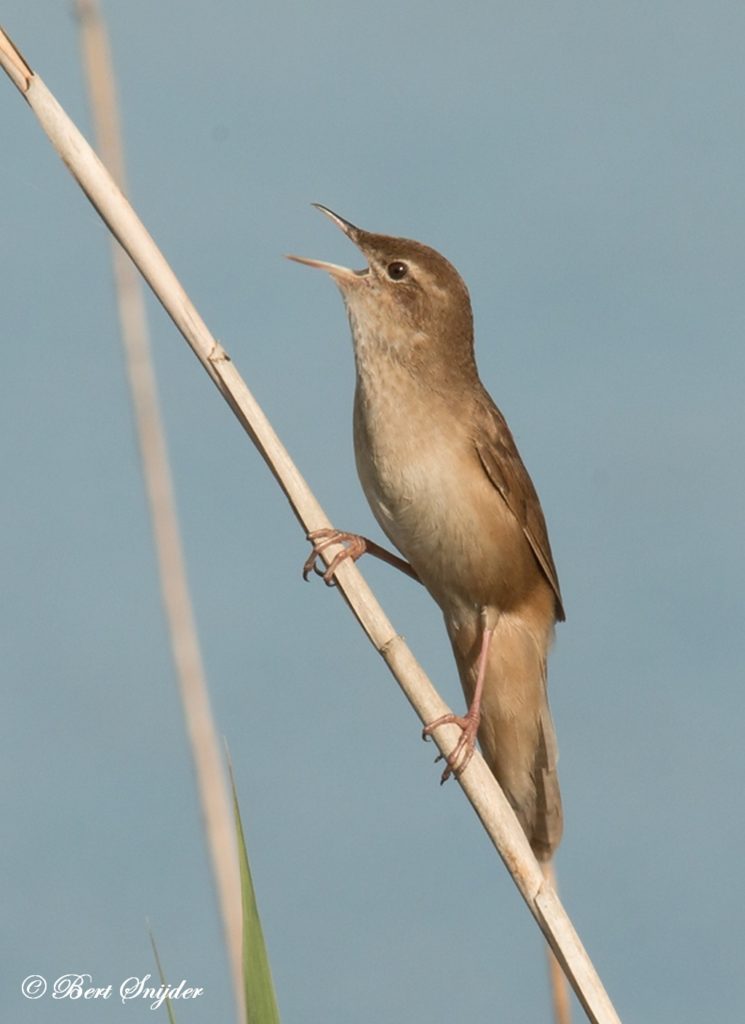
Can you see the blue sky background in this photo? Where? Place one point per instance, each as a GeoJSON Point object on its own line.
{"type": "Point", "coordinates": [582, 164]}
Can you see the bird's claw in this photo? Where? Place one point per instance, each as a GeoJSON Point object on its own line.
{"type": "Point", "coordinates": [323, 538]}
{"type": "Point", "coordinates": [459, 758]}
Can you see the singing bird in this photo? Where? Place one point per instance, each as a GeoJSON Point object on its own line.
{"type": "Point", "coordinates": [445, 481]}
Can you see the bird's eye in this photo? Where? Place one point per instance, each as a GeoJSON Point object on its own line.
{"type": "Point", "coordinates": [397, 270]}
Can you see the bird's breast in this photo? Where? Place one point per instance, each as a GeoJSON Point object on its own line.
{"type": "Point", "coordinates": [424, 482]}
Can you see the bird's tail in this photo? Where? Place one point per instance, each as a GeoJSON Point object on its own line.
{"type": "Point", "coordinates": [530, 781]}
{"type": "Point", "coordinates": [517, 735]}
{"type": "Point", "coordinates": [548, 819]}
{"type": "Point", "coordinates": [518, 741]}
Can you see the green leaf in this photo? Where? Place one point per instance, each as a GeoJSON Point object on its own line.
{"type": "Point", "coordinates": [161, 974]}
{"type": "Point", "coordinates": [261, 1002]}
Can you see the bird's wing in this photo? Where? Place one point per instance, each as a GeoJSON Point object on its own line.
{"type": "Point", "coordinates": [504, 467]}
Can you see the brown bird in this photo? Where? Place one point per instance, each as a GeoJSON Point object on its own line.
{"type": "Point", "coordinates": [446, 483]}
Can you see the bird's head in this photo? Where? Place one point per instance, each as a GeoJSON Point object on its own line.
{"type": "Point", "coordinates": [408, 303]}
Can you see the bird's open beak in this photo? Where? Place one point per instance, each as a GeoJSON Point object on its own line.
{"type": "Point", "coordinates": [349, 229]}
{"type": "Point", "coordinates": [343, 275]}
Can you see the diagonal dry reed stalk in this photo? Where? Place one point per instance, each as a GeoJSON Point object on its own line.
{"type": "Point", "coordinates": [477, 781]}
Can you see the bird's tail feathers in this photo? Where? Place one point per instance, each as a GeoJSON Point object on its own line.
{"type": "Point", "coordinates": [549, 818]}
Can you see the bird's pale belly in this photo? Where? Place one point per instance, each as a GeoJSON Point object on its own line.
{"type": "Point", "coordinates": [467, 548]}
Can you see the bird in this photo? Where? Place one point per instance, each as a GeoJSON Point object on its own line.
{"type": "Point", "coordinates": [445, 481]}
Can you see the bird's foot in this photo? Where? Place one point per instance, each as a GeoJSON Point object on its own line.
{"type": "Point", "coordinates": [459, 757]}
{"type": "Point", "coordinates": [356, 547]}
{"type": "Point", "coordinates": [321, 539]}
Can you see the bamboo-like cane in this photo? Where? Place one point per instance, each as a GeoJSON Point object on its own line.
{"type": "Point", "coordinates": [216, 806]}
{"type": "Point", "coordinates": [477, 781]}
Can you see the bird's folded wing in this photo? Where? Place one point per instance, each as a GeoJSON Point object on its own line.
{"type": "Point", "coordinates": [504, 467]}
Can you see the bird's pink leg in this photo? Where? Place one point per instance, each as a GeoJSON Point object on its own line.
{"type": "Point", "coordinates": [358, 546]}
{"type": "Point", "coordinates": [458, 760]}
